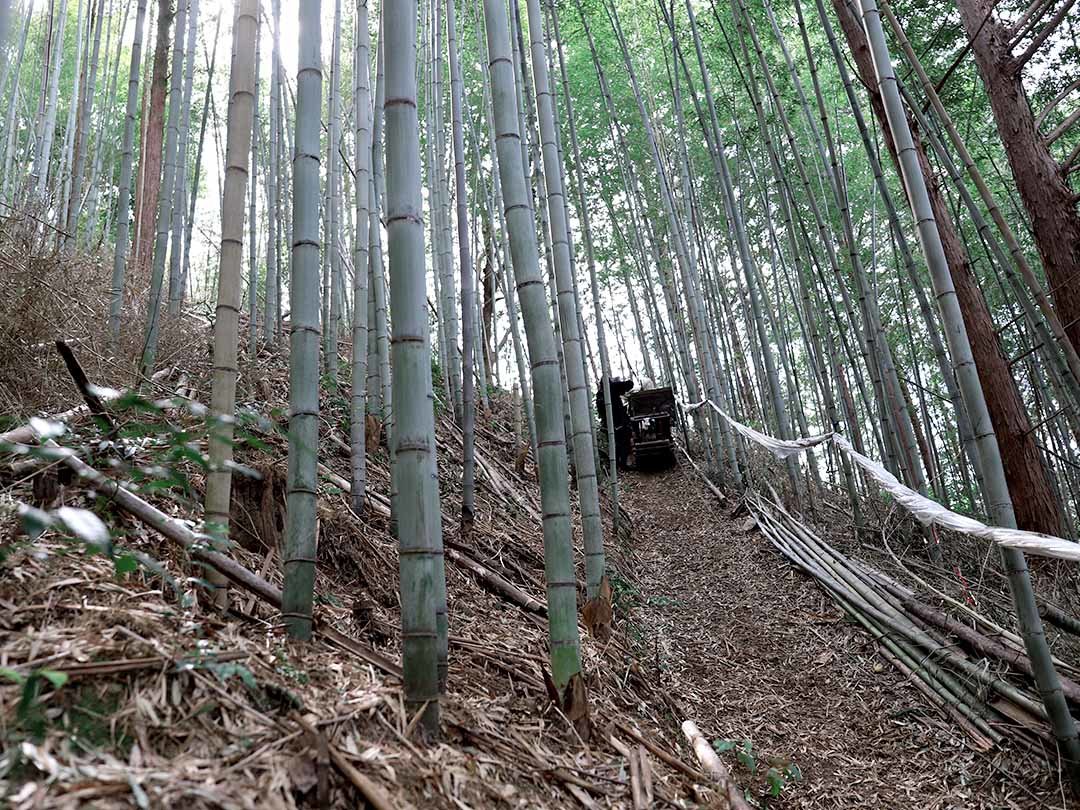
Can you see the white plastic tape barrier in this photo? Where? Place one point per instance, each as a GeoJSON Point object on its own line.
{"type": "Point", "coordinates": [922, 508]}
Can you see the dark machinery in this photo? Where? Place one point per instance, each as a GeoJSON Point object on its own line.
{"type": "Point", "coordinates": [653, 412]}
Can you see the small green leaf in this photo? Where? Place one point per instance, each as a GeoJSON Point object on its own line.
{"type": "Point", "coordinates": [15, 677]}
{"type": "Point", "coordinates": [723, 745]}
{"type": "Point", "coordinates": [125, 564]}
{"type": "Point", "coordinates": [57, 679]}
{"type": "Point", "coordinates": [775, 781]}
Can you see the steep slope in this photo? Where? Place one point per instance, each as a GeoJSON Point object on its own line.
{"type": "Point", "coordinates": [122, 690]}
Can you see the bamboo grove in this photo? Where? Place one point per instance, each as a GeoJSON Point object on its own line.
{"type": "Point", "coordinates": [856, 216]}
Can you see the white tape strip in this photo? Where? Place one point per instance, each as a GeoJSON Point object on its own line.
{"type": "Point", "coordinates": [922, 508]}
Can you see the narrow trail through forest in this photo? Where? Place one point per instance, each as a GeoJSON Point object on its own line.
{"type": "Point", "coordinates": [755, 650]}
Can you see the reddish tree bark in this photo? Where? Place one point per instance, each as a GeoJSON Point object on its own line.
{"type": "Point", "coordinates": [1055, 222]}
{"type": "Point", "coordinates": [1034, 501]}
{"type": "Point", "coordinates": [150, 153]}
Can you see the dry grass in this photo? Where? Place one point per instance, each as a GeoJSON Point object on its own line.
{"type": "Point", "coordinates": [48, 295]}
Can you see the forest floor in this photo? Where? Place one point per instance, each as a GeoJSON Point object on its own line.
{"type": "Point", "coordinates": [756, 651]}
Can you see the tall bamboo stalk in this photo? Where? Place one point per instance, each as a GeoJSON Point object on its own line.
{"type": "Point", "coordinates": [123, 203]}
{"type": "Point", "coordinates": [465, 262]}
{"type": "Point", "coordinates": [580, 410]}
{"type": "Point", "coordinates": [414, 425]}
{"type": "Point", "coordinates": [361, 247]}
{"type": "Point", "coordinates": [227, 320]}
{"type": "Point", "coordinates": [586, 226]}
{"type": "Point", "coordinates": [273, 236]}
{"type": "Point", "coordinates": [554, 493]}
{"type": "Point", "coordinates": [301, 525]}
{"type": "Point", "coordinates": [253, 202]}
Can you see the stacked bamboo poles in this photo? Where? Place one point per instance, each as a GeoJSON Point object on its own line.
{"type": "Point", "coordinates": [920, 641]}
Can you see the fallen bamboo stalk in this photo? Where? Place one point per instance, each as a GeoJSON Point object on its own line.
{"type": "Point", "coordinates": [1060, 619]}
{"type": "Point", "coordinates": [134, 664]}
{"type": "Point", "coordinates": [637, 790]}
{"type": "Point", "coordinates": [712, 765]}
{"type": "Point", "coordinates": [27, 434]}
{"type": "Point", "coordinates": [712, 487]}
{"type": "Point", "coordinates": [984, 645]}
{"type": "Point", "coordinates": [196, 545]}
{"type": "Point", "coordinates": [496, 583]}
{"type": "Point", "coordinates": [491, 579]}
{"type": "Point", "coordinates": [372, 792]}
{"type": "Point", "coordinates": [660, 753]}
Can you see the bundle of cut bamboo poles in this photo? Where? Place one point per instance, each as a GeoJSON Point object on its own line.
{"type": "Point", "coordinates": [978, 675]}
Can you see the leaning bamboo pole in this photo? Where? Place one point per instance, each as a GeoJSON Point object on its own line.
{"type": "Point", "coordinates": [590, 260]}
{"type": "Point", "coordinates": [996, 488]}
{"type": "Point", "coordinates": [1034, 288]}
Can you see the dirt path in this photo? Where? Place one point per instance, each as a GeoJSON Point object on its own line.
{"type": "Point", "coordinates": [755, 650]}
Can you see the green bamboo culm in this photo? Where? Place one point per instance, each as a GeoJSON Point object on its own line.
{"type": "Point", "coordinates": [417, 505]}
{"type": "Point", "coordinates": [546, 380]}
{"type": "Point", "coordinates": [468, 291]}
{"type": "Point", "coordinates": [230, 273]}
{"type": "Point", "coordinates": [361, 248]}
{"type": "Point", "coordinates": [996, 488]}
{"type": "Point", "coordinates": [580, 411]}
{"type": "Point", "coordinates": [302, 481]}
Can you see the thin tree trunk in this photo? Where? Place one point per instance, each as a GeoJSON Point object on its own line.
{"type": "Point", "coordinates": [165, 196]}
{"type": "Point", "coordinates": [151, 144]}
{"type": "Point", "coordinates": [123, 204]}
{"type": "Point", "coordinates": [1044, 190]}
